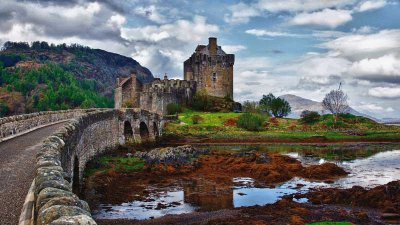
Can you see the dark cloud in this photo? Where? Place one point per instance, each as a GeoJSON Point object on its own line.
{"type": "Point", "coordinates": [275, 51]}
{"type": "Point", "coordinates": [317, 82]}
{"type": "Point", "coordinates": [381, 78]}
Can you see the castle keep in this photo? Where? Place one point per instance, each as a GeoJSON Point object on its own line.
{"type": "Point", "coordinates": [209, 69]}
{"type": "Point", "coordinates": [212, 69]}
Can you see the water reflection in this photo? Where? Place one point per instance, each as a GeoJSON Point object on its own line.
{"type": "Point", "coordinates": [368, 166]}
{"type": "Point", "coordinates": [157, 204]}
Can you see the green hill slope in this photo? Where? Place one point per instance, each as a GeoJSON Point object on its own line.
{"type": "Point", "coordinates": [49, 77]}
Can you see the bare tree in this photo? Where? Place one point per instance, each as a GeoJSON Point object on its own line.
{"type": "Point", "coordinates": [335, 102]}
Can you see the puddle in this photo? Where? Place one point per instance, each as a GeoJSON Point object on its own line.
{"type": "Point", "coordinates": [368, 167]}
{"type": "Point", "coordinates": [157, 204]}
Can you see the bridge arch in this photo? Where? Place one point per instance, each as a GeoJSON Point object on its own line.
{"type": "Point", "coordinates": [144, 132]}
{"type": "Point", "coordinates": [155, 130]}
{"type": "Point", "coordinates": [75, 176]}
{"type": "Point", "coordinates": [128, 132]}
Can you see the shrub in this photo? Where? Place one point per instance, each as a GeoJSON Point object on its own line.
{"type": "Point", "coordinates": [250, 121]}
{"type": "Point", "coordinates": [173, 108]}
{"type": "Point", "coordinates": [309, 117]}
{"type": "Point", "coordinates": [347, 116]}
{"type": "Point", "coordinates": [196, 119]}
{"type": "Point", "coordinates": [250, 107]}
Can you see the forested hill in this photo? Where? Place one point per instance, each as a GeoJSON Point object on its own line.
{"type": "Point", "coordinates": [52, 77]}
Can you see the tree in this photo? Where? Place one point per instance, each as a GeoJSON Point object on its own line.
{"type": "Point", "coordinates": [278, 107]}
{"type": "Point", "coordinates": [309, 117]}
{"type": "Point", "coordinates": [336, 102]}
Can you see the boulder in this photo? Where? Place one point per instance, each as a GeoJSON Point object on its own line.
{"type": "Point", "coordinates": [74, 220]}
{"type": "Point", "coordinates": [48, 193]}
{"type": "Point", "coordinates": [55, 212]}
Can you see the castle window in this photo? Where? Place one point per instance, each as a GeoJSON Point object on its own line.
{"type": "Point", "coordinates": [214, 77]}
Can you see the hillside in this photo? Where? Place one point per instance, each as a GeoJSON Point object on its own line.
{"type": "Point", "coordinates": [300, 104]}
{"type": "Point", "coordinates": [83, 62]}
{"type": "Point", "coordinates": [47, 77]}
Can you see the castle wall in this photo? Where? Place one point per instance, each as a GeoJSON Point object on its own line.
{"type": "Point", "coordinates": [157, 95]}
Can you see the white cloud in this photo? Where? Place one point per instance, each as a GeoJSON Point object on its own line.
{"type": "Point", "coordinates": [117, 20]}
{"type": "Point", "coordinates": [371, 5]}
{"type": "Point", "coordinates": [230, 49]}
{"type": "Point", "coordinates": [301, 5]}
{"type": "Point", "coordinates": [267, 33]}
{"type": "Point", "coordinates": [385, 65]}
{"type": "Point", "coordinates": [360, 46]}
{"type": "Point", "coordinates": [163, 48]}
{"type": "Point", "coordinates": [385, 92]}
{"type": "Point", "coordinates": [184, 30]}
{"type": "Point", "coordinates": [327, 17]}
{"type": "Point", "coordinates": [364, 30]}
{"type": "Point", "coordinates": [240, 13]}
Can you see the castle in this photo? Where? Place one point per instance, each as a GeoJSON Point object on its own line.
{"type": "Point", "coordinates": [209, 69]}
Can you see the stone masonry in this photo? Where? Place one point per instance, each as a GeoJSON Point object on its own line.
{"type": "Point", "coordinates": [209, 69]}
{"type": "Point", "coordinates": [62, 157]}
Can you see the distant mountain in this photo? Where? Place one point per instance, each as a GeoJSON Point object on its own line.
{"type": "Point", "coordinates": [300, 104]}
{"type": "Point", "coordinates": [41, 77]}
{"type": "Point", "coordinates": [391, 120]}
{"type": "Point", "coordinates": [83, 62]}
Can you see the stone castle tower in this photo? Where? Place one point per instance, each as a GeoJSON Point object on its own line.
{"type": "Point", "coordinates": [211, 68]}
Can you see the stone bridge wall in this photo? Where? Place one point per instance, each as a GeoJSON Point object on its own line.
{"type": "Point", "coordinates": [15, 125]}
{"type": "Point", "coordinates": [63, 157]}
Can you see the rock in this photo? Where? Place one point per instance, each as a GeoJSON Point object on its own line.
{"type": "Point", "coordinates": [47, 162]}
{"type": "Point", "coordinates": [48, 169]}
{"type": "Point", "coordinates": [66, 201]}
{"type": "Point", "coordinates": [55, 212]}
{"type": "Point", "coordinates": [263, 158]}
{"type": "Point", "coordinates": [74, 220]}
{"type": "Point", "coordinates": [181, 154]}
{"type": "Point", "coordinates": [47, 194]}
{"type": "Point", "coordinates": [59, 184]}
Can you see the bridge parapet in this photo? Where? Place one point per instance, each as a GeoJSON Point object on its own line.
{"type": "Point", "coordinates": [62, 159]}
{"type": "Point", "coordinates": [16, 125]}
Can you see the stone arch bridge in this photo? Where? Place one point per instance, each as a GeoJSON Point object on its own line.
{"type": "Point", "coordinates": [61, 158]}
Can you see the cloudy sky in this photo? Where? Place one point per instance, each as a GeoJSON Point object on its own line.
{"type": "Point", "coordinates": [302, 47]}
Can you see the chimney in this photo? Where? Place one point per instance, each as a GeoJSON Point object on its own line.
{"type": "Point", "coordinates": [212, 45]}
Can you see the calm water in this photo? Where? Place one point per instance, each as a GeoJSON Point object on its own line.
{"type": "Point", "coordinates": [368, 165]}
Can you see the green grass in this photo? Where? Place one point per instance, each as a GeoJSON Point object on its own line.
{"type": "Point", "coordinates": [212, 126]}
{"type": "Point", "coordinates": [209, 118]}
{"type": "Point", "coordinates": [117, 163]}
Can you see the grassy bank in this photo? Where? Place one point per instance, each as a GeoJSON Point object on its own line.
{"type": "Point", "coordinates": [222, 126]}
{"type": "Point", "coordinates": [109, 164]}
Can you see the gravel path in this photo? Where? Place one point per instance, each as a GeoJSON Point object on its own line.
{"type": "Point", "coordinates": [17, 169]}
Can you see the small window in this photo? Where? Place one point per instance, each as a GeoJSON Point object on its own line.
{"type": "Point", "coordinates": [214, 77]}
